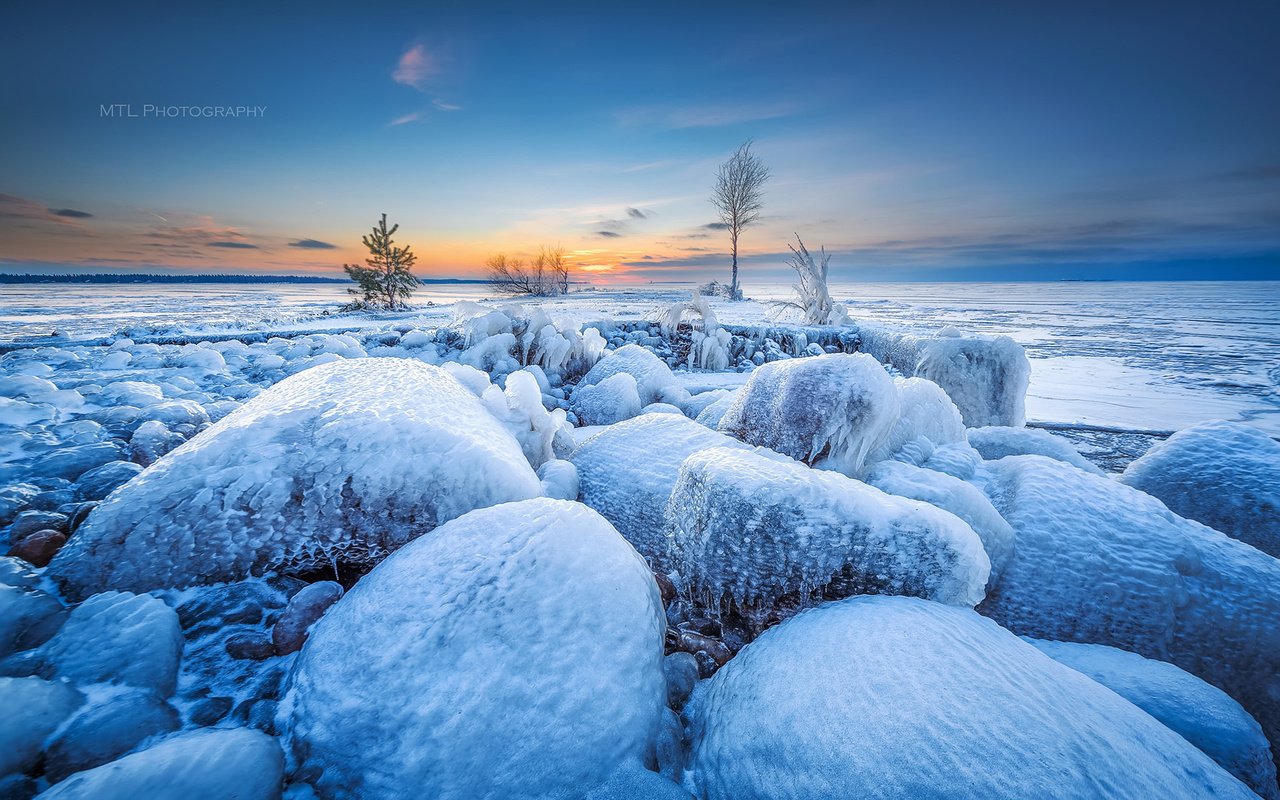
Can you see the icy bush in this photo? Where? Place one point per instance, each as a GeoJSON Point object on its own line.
{"type": "Point", "coordinates": [996, 442]}
{"type": "Point", "coordinates": [627, 472]}
{"type": "Point", "coordinates": [812, 298]}
{"type": "Point", "coordinates": [515, 336]}
{"type": "Point", "coordinates": [344, 462]}
{"type": "Point", "coordinates": [829, 411]}
{"type": "Point", "coordinates": [1202, 714]}
{"type": "Point", "coordinates": [525, 619]}
{"type": "Point", "coordinates": [519, 408]}
{"type": "Point", "coordinates": [1224, 474]}
{"type": "Point", "coordinates": [1097, 561]}
{"type": "Point", "coordinates": [900, 697]}
{"type": "Point", "coordinates": [654, 379]}
{"type": "Point", "coordinates": [767, 535]}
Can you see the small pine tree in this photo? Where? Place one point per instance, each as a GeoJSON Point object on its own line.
{"type": "Point", "coordinates": [385, 280]}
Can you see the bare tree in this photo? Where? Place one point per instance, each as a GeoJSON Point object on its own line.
{"type": "Point", "coordinates": [738, 195]}
{"type": "Point", "coordinates": [546, 276]}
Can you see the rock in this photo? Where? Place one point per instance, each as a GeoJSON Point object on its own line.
{"type": "Point", "coordinates": [305, 607]}
{"type": "Point", "coordinates": [39, 548]}
{"type": "Point", "coordinates": [18, 573]}
{"type": "Point", "coordinates": [15, 498]}
{"type": "Point", "coordinates": [150, 441]}
{"type": "Point", "coordinates": [72, 462]}
{"type": "Point", "coordinates": [255, 646]}
{"type": "Point", "coordinates": [77, 517]}
{"type": "Point", "coordinates": [29, 522]}
{"type": "Point", "coordinates": [610, 401]}
{"type": "Point", "coordinates": [120, 638]}
{"type": "Point", "coordinates": [476, 624]}
{"type": "Point", "coordinates": [99, 482]}
{"type": "Point", "coordinates": [210, 710]}
{"type": "Point", "coordinates": [104, 732]}
{"type": "Point", "coordinates": [994, 442]}
{"type": "Point", "coordinates": [654, 380]}
{"type": "Point", "coordinates": [681, 671]}
{"type": "Point", "coordinates": [213, 608]}
{"type": "Point", "coordinates": [210, 763]}
{"type": "Point", "coordinates": [33, 709]}
{"type": "Point", "coordinates": [28, 618]}
{"type": "Point", "coordinates": [176, 412]}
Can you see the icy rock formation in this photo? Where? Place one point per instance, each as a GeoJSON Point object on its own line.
{"type": "Point", "coordinates": [33, 710]}
{"type": "Point", "coordinates": [117, 637]}
{"type": "Point", "coordinates": [1223, 474]}
{"type": "Point", "coordinates": [995, 442]}
{"type": "Point", "coordinates": [627, 472]}
{"type": "Point", "coordinates": [654, 379]}
{"type": "Point", "coordinates": [900, 697]}
{"type": "Point", "coordinates": [238, 763]}
{"type": "Point", "coordinates": [310, 472]}
{"type": "Point", "coordinates": [954, 495]}
{"type": "Point", "coordinates": [612, 400]}
{"type": "Point", "coordinates": [106, 730]}
{"type": "Point", "coordinates": [711, 414]}
{"type": "Point", "coordinates": [559, 480]}
{"type": "Point", "coordinates": [519, 408]}
{"type": "Point", "coordinates": [769, 535]}
{"type": "Point", "coordinates": [926, 419]}
{"type": "Point", "coordinates": [1202, 714]}
{"type": "Point", "coordinates": [28, 617]}
{"type": "Point", "coordinates": [1097, 561]}
{"type": "Point", "coordinates": [525, 619]}
{"type": "Point", "coordinates": [830, 411]}
{"type": "Point", "coordinates": [986, 377]}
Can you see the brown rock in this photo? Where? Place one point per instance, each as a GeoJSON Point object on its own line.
{"type": "Point", "coordinates": [39, 548]}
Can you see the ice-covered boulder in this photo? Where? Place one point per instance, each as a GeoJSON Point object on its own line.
{"type": "Point", "coordinates": [33, 710]}
{"type": "Point", "coordinates": [612, 400]}
{"type": "Point", "coordinates": [986, 377]}
{"type": "Point", "coordinates": [828, 411]}
{"type": "Point", "coordinates": [926, 419]}
{"type": "Point", "coordinates": [344, 462]}
{"type": "Point", "coordinates": [238, 763]}
{"type": "Point", "coordinates": [529, 638]}
{"type": "Point", "coordinates": [769, 535]}
{"type": "Point", "coordinates": [995, 442]}
{"type": "Point", "coordinates": [1224, 474]}
{"type": "Point", "coordinates": [627, 472]}
{"type": "Point", "coordinates": [28, 617]}
{"type": "Point", "coordinates": [1097, 561]}
{"type": "Point", "coordinates": [896, 697]}
{"type": "Point", "coordinates": [713, 412]}
{"type": "Point", "coordinates": [654, 380]}
{"type": "Point", "coordinates": [954, 495]}
{"type": "Point", "coordinates": [1202, 714]}
{"type": "Point", "coordinates": [106, 730]}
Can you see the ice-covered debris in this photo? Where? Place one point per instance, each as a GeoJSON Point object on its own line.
{"type": "Point", "coordinates": [107, 728]}
{"type": "Point", "coordinates": [519, 408]}
{"type": "Point", "coordinates": [661, 408]}
{"type": "Point", "coordinates": [305, 607]}
{"type": "Point", "coordinates": [956, 496]}
{"type": "Point", "coordinates": [769, 536]}
{"type": "Point", "coordinates": [829, 411]}
{"type": "Point", "coordinates": [69, 463]}
{"type": "Point", "coordinates": [901, 697]}
{"type": "Point", "coordinates": [994, 442]}
{"type": "Point", "coordinates": [713, 412]}
{"type": "Point", "coordinates": [986, 377]}
{"type": "Point", "coordinates": [238, 763]}
{"type": "Point", "coordinates": [130, 393]}
{"type": "Point", "coordinates": [120, 638]}
{"type": "Point", "coordinates": [176, 412]}
{"type": "Point", "coordinates": [559, 479]}
{"type": "Point", "coordinates": [1202, 714]}
{"type": "Point", "coordinates": [28, 617]}
{"type": "Point", "coordinates": [959, 460]}
{"type": "Point", "coordinates": [20, 413]}
{"type": "Point", "coordinates": [99, 482]}
{"type": "Point", "coordinates": [654, 379]}
{"type": "Point", "coordinates": [1097, 561]}
{"type": "Point", "coordinates": [475, 381]}
{"type": "Point", "coordinates": [33, 710]}
{"type": "Point", "coordinates": [1224, 474]}
{"type": "Point", "coordinates": [627, 472]}
{"type": "Point", "coordinates": [200, 357]}
{"type": "Point", "coordinates": [697, 403]}
{"type": "Point", "coordinates": [612, 400]}
{"type": "Point", "coordinates": [150, 441]}
{"type": "Point", "coordinates": [525, 619]}
{"type": "Point", "coordinates": [926, 419]}
{"type": "Point", "coordinates": [344, 462]}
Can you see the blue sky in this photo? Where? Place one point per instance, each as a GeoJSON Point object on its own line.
{"type": "Point", "coordinates": [914, 140]}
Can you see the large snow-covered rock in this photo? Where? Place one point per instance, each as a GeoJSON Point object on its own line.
{"type": "Point", "coordinates": [995, 442]}
{"type": "Point", "coordinates": [33, 710]}
{"type": "Point", "coordinates": [926, 419]}
{"type": "Point", "coordinates": [654, 380]}
{"type": "Point", "coordinates": [627, 472]}
{"type": "Point", "coordinates": [239, 763]}
{"type": "Point", "coordinates": [514, 653]}
{"type": "Point", "coordinates": [1097, 561]}
{"type": "Point", "coordinates": [1202, 714]}
{"type": "Point", "coordinates": [608, 402]}
{"type": "Point", "coordinates": [1224, 474]}
{"type": "Point", "coordinates": [896, 697]}
{"type": "Point", "coordinates": [770, 535]}
{"type": "Point", "coordinates": [829, 411]}
{"type": "Point", "coordinates": [344, 462]}
{"type": "Point", "coordinates": [986, 377]}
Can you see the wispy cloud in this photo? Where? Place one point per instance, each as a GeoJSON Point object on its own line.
{"type": "Point", "coordinates": [701, 116]}
{"type": "Point", "coordinates": [443, 106]}
{"type": "Point", "coordinates": [234, 245]}
{"type": "Point", "coordinates": [406, 119]}
{"type": "Point", "coordinates": [636, 213]}
{"type": "Point", "coordinates": [608, 234]}
{"type": "Point", "coordinates": [70, 213]}
{"type": "Point", "coordinates": [21, 211]}
{"type": "Point", "coordinates": [416, 67]}
{"type": "Point", "coordinates": [313, 244]}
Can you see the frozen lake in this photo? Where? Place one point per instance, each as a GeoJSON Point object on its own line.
{"type": "Point", "coordinates": [1134, 356]}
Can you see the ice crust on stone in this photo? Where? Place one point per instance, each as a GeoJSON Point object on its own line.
{"type": "Point", "coordinates": [627, 472]}
{"type": "Point", "coordinates": [612, 400]}
{"type": "Point", "coordinates": [901, 697]}
{"type": "Point", "coordinates": [1097, 561]}
{"type": "Point", "coordinates": [308, 473]}
{"type": "Point", "coordinates": [654, 379]}
{"type": "Point", "coordinates": [956, 496]}
{"type": "Point", "coordinates": [525, 619]}
{"type": "Point", "coordinates": [995, 442]}
{"type": "Point", "coordinates": [1202, 714]}
{"type": "Point", "coordinates": [829, 411]}
{"type": "Point", "coordinates": [238, 763]}
{"type": "Point", "coordinates": [33, 710]}
{"type": "Point", "coordinates": [1223, 474]}
{"type": "Point", "coordinates": [755, 529]}
{"type": "Point", "coordinates": [986, 377]}
{"type": "Point", "coordinates": [926, 419]}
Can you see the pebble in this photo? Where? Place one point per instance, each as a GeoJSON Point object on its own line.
{"type": "Point", "coordinates": [255, 646]}
{"type": "Point", "coordinates": [681, 670]}
{"type": "Point", "coordinates": [39, 548]}
{"type": "Point", "coordinates": [305, 607]}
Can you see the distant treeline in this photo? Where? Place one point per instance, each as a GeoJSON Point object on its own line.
{"type": "Point", "coordinates": [141, 278]}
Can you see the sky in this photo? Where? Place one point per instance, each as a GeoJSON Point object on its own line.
{"type": "Point", "coordinates": [914, 140]}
